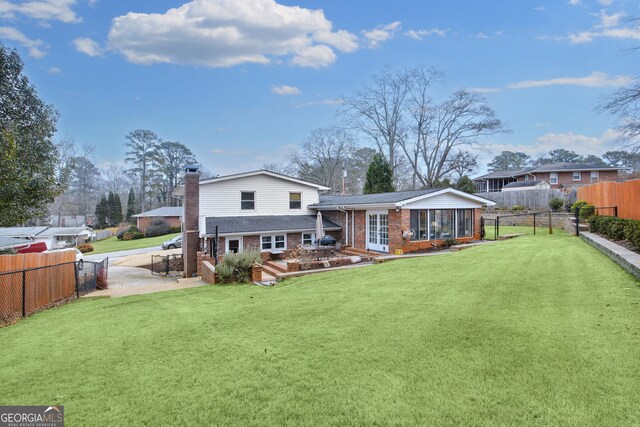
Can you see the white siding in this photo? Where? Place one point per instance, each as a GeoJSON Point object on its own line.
{"type": "Point", "coordinates": [271, 198]}
{"type": "Point", "coordinates": [444, 201]}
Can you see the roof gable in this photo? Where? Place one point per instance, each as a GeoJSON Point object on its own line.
{"type": "Point", "coordinates": [266, 173]}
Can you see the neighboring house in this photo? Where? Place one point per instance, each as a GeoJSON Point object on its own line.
{"type": "Point", "coordinates": [71, 220]}
{"type": "Point", "coordinates": [259, 210]}
{"type": "Point", "coordinates": [557, 175]}
{"type": "Point", "coordinates": [58, 236]}
{"type": "Point", "coordinates": [10, 243]}
{"type": "Point", "coordinates": [526, 185]}
{"type": "Point", "coordinates": [406, 220]}
{"type": "Point", "coordinates": [172, 214]}
{"type": "Point", "coordinates": [50, 235]}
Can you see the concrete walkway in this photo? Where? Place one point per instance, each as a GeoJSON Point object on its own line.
{"type": "Point", "coordinates": [124, 281]}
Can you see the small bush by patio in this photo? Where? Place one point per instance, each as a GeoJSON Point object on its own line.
{"type": "Point", "coordinates": [236, 267]}
{"type": "Point", "coordinates": [450, 242]}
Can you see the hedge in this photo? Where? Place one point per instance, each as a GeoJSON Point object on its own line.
{"type": "Point", "coordinates": [614, 228]}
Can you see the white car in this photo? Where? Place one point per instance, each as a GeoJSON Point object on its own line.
{"type": "Point", "coordinates": [79, 255]}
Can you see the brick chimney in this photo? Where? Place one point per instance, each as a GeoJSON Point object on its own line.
{"type": "Point", "coordinates": [190, 212]}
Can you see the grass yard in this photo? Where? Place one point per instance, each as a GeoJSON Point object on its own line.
{"type": "Point", "coordinates": [517, 229]}
{"type": "Point", "coordinates": [112, 244]}
{"type": "Point", "coordinates": [535, 330]}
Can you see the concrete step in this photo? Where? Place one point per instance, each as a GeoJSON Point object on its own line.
{"type": "Point", "coordinates": [280, 266]}
{"type": "Point", "coordinates": [350, 250]}
{"type": "Point", "coordinates": [267, 270]}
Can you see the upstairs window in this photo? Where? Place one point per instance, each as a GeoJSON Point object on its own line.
{"type": "Point", "coordinates": [295, 200]}
{"type": "Point", "coordinates": [577, 176]}
{"type": "Point", "coordinates": [248, 200]}
{"type": "Point", "coordinates": [595, 175]}
{"type": "Point", "coordinates": [553, 178]}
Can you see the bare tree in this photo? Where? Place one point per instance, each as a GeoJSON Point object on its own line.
{"type": "Point", "coordinates": [377, 110]}
{"type": "Point", "coordinates": [169, 161]}
{"type": "Point", "coordinates": [323, 156]}
{"type": "Point", "coordinates": [461, 121]}
{"type": "Point", "coordinates": [142, 145]}
{"type": "Point", "coordinates": [281, 167]}
{"type": "Point", "coordinates": [115, 179]}
{"type": "Point", "coordinates": [463, 163]}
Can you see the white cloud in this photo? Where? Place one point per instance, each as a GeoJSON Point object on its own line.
{"type": "Point", "coordinates": [337, 101]}
{"type": "Point", "coordinates": [285, 90]}
{"type": "Point", "coordinates": [87, 46]}
{"type": "Point", "coordinates": [224, 33]}
{"type": "Point", "coordinates": [380, 34]}
{"type": "Point", "coordinates": [216, 151]}
{"type": "Point", "coordinates": [54, 70]}
{"type": "Point", "coordinates": [605, 2]}
{"type": "Point", "coordinates": [47, 10]}
{"type": "Point", "coordinates": [34, 47]}
{"type": "Point", "coordinates": [539, 8]}
{"type": "Point", "coordinates": [420, 34]}
{"type": "Point", "coordinates": [484, 89]}
{"type": "Point", "coordinates": [595, 79]}
{"type": "Point", "coordinates": [574, 2]}
{"type": "Point", "coordinates": [607, 20]}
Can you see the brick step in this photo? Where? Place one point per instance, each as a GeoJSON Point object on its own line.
{"type": "Point", "coordinates": [349, 250]}
{"type": "Point", "coordinates": [275, 265]}
{"type": "Point", "coordinates": [268, 270]}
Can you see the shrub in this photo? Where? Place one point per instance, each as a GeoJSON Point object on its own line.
{"type": "Point", "coordinates": [236, 267]}
{"type": "Point", "coordinates": [121, 231]}
{"type": "Point", "coordinates": [8, 251]}
{"type": "Point", "coordinates": [518, 208]}
{"type": "Point", "coordinates": [450, 241]}
{"type": "Point", "coordinates": [587, 211]}
{"type": "Point", "coordinates": [133, 235]}
{"type": "Point", "coordinates": [578, 204]}
{"type": "Point", "coordinates": [85, 247]}
{"type": "Point", "coordinates": [632, 234]}
{"type": "Point", "coordinates": [158, 227]}
{"type": "Point", "coordinates": [101, 280]}
{"type": "Point", "coordinates": [555, 204]}
{"type": "Point", "coordinates": [173, 230]}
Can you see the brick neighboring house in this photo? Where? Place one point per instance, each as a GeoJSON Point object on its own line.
{"type": "Point", "coordinates": [558, 175]}
{"type": "Point", "coordinates": [405, 220]}
{"type": "Point", "coordinates": [172, 214]}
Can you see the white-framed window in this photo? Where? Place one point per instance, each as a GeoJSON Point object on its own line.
{"type": "Point", "coordinates": [248, 200]}
{"type": "Point", "coordinates": [276, 241]}
{"type": "Point", "coordinates": [308, 239]}
{"type": "Point", "coordinates": [577, 176]}
{"type": "Point", "coordinates": [295, 200]}
{"type": "Point", "coordinates": [595, 175]}
{"type": "Point", "coordinates": [526, 177]}
{"type": "Point", "coordinates": [553, 178]}
{"type": "Point", "coordinates": [233, 244]}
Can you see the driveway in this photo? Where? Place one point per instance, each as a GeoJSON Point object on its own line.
{"type": "Point", "coordinates": [119, 254]}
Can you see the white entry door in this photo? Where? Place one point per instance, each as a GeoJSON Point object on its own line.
{"type": "Point", "coordinates": [378, 231]}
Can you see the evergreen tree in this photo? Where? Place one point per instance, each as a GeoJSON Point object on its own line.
{"type": "Point", "coordinates": [102, 211]}
{"type": "Point", "coordinates": [116, 215]}
{"type": "Point", "coordinates": [111, 209]}
{"type": "Point", "coordinates": [131, 205]}
{"type": "Point", "coordinates": [465, 184]}
{"type": "Point", "coordinates": [379, 177]}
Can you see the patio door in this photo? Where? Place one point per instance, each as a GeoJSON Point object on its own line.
{"type": "Point", "coordinates": [378, 231]}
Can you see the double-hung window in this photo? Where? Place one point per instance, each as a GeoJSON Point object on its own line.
{"type": "Point", "coordinates": [248, 200]}
{"type": "Point", "coordinates": [595, 175]}
{"type": "Point", "coordinates": [295, 200]}
{"type": "Point", "coordinates": [553, 178]}
{"type": "Point", "coordinates": [278, 241]}
{"type": "Point", "coordinates": [577, 176]}
{"type": "Point", "coordinates": [308, 239]}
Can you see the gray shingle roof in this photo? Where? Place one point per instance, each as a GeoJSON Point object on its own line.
{"type": "Point", "coordinates": [163, 211]}
{"type": "Point", "coordinates": [520, 184]}
{"type": "Point", "coordinates": [63, 231]}
{"type": "Point", "coordinates": [499, 174]}
{"type": "Point", "coordinates": [265, 223]}
{"type": "Point", "coordinates": [551, 167]}
{"type": "Point", "coordinates": [21, 231]}
{"type": "Point", "coordinates": [8, 242]}
{"type": "Point", "coordinates": [370, 199]}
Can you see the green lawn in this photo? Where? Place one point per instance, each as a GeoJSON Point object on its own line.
{"type": "Point", "coordinates": [531, 331]}
{"type": "Point", "coordinates": [112, 244]}
{"type": "Point", "coordinates": [517, 229]}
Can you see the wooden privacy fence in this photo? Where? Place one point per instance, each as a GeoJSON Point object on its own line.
{"type": "Point", "coordinates": [530, 199]}
{"type": "Point", "coordinates": [32, 282]}
{"type": "Point", "coordinates": [624, 195]}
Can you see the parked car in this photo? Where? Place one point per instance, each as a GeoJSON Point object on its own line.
{"type": "Point", "coordinates": [79, 255]}
{"type": "Point", "coordinates": [176, 242]}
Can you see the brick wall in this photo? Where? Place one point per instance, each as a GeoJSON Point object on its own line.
{"type": "Point", "coordinates": [190, 234]}
{"type": "Point", "coordinates": [558, 219]}
{"type": "Point", "coordinates": [144, 222]}
{"type": "Point", "coordinates": [565, 179]}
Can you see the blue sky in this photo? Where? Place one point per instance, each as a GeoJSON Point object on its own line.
{"type": "Point", "coordinates": [243, 82]}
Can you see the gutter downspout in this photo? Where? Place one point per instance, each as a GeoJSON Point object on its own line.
{"type": "Point", "coordinates": [346, 223]}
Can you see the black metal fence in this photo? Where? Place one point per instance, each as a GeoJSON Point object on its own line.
{"type": "Point", "coordinates": [167, 265]}
{"type": "Point", "coordinates": [90, 273]}
{"type": "Point", "coordinates": [488, 228]}
{"type": "Point", "coordinates": [27, 291]}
